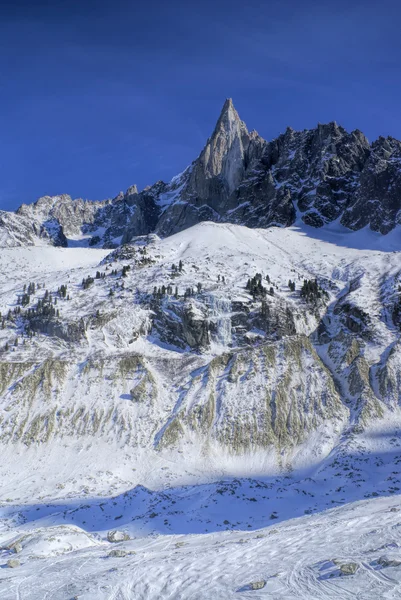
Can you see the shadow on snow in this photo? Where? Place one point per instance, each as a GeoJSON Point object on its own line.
{"type": "Point", "coordinates": [231, 503]}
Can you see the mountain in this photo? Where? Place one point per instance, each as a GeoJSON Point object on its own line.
{"type": "Point", "coordinates": [194, 403]}
{"type": "Point", "coordinates": [315, 176]}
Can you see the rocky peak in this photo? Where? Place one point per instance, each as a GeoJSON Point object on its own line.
{"type": "Point", "coordinates": [386, 147]}
{"type": "Point", "coordinates": [224, 151]}
{"type": "Point", "coordinates": [376, 201]}
{"type": "Point", "coordinates": [119, 196]}
{"type": "Point", "coordinates": [224, 155]}
{"type": "Point", "coordinates": [229, 123]}
{"type": "Point", "coordinates": [43, 204]}
{"type": "Point", "coordinates": [131, 190]}
{"type": "Point", "coordinates": [318, 175]}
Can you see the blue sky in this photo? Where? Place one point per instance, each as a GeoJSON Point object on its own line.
{"type": "Point", "coordinates": [97, 95]}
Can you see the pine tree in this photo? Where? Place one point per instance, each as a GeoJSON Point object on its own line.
{"type": "Point", "coordinates": [25, 300]}
{"type": "Point", "coordinates": [311, 291]}
{"type": "Point", "coordinates": [86, 282]}
{"type": "Point", "coordinates": [255, 287]}
{"type": "Point", "coordinates": [62, 291]}
{"type": "Point", "coordinates": [264, 309]}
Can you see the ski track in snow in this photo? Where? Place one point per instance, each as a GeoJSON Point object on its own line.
{"type": "Point", "coordinates": [294, 558]}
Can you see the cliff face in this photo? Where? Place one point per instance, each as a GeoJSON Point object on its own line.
{"type": "Point", "coordinates": [317, 175]}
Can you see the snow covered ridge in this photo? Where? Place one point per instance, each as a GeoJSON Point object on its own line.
{"type": "Point", "coordinates": [317, 176]}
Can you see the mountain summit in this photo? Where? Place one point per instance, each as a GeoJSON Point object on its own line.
{"type": "Point", "coordinates": [224, 153]}
{"type": "Point", "coordinates": [317, 175]}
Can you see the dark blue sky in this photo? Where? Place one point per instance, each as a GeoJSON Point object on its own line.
{"type": "Point", "coordinates": [97, 95]}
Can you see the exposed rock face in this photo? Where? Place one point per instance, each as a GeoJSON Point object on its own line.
{"type": "Point", "coordinates": [49, 400]}
{"type": "Point", "coordinates": [39, 406]}
{"type": "Point", "coordinates": [146, 213]}
{"type": "Point", "coordinates": [24, 230]}
{"type": "Point", "coordinates": [377, 198]}
{"type": "Point", "coordinates": [257, 585]}
{"type": "Point", "coordinates": [389, 380]}
{"type": "Point", "coordinates": [70, 332]}
{"type": "Point", "coordinates": [281, 412]}
{"type": "Point", "coordinates": [16, 547]}
{"type": "Point", "coordinates": [70, 216]}
{"type": "Point", "coordinates": [324, 173]}
{"type": "Point", "coordinates": [229, 155]}
{"type": "Point", "coordinates": [117, 553]}
{"type": "Point", "coordinates": [224, 154]}
{"type": "Point", "coordinates": [117, 536]}
{"type": "Point", "coordinates": [349, 568]}
{"type": "Point", "coordinates": [13, 563]}
{"type": "Point", "coordinates": [182, 325]}
{"type": "Point", "coordinates": [196, 323]}
{"type": "Point", "coordinates": [386, 561]}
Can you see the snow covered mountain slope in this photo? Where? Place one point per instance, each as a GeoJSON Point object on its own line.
{"type": "Point", "coordinates": [194, 389]}
{"type": "Point", "coordinates": [156, 344]}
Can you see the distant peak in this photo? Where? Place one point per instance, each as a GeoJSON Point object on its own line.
{"type": "Point", "coordinates": [228, 121]}
{"type": "Point", "coordinates": [228, 104]}
{"type": "Point", "coordinates": [228, 110]}
{"type": "Point", "coordinates": [132, 190]}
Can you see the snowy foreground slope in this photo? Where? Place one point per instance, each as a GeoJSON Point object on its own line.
{"type": "Point", "coordinates": [300, 558]}
{"type": "Point", "coordinates": [237, 436]}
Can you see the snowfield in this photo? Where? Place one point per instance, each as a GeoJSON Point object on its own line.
{"type": "Point", "coordinates": [301, 558]}
{"type": "Point", "coordinates": [252, 466]}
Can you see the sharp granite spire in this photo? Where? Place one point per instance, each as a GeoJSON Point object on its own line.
{"type": "Point", "coordinates": [224, 154]}
{"type": "Point", "coordinates": [229, 120]}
